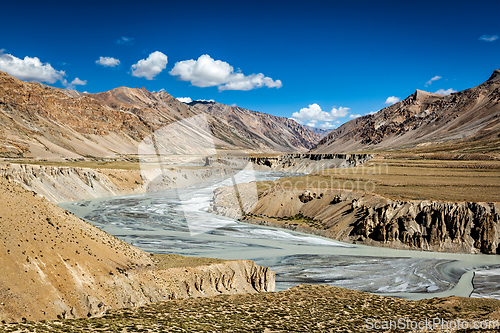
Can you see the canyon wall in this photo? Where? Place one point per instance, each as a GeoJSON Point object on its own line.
{"type": "Point", "coordinates": [348, 216]}
{"type": "Point", "coordinates": [63, 184]}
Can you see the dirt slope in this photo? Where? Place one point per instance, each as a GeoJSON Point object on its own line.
{"type": "Point", "coordinates": [56, 265]}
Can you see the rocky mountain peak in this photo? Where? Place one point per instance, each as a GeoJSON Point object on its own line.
{"type": "Point", "coordinates": [422, 118]}
{"type": "Point", "coordinates": [495, 76]}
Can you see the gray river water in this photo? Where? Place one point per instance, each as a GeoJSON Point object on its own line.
{"type": "Point", "coordinates": [161, 222]}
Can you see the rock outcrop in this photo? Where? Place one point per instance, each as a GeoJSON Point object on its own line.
{"type": "Point", "coordinates": [348, 216]}
{"type": "Point", "coordinates": [308, 163]}
{"type": "Point", "coordinates": [55, 265]}
{"type": "Point", "coordinates": [421, 119]}
{"type": "Point", "coordinates": [63, 184]}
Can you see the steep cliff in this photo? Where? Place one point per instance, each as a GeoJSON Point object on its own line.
{"type": "Point", "coordinates": [308, 163]}
{"type": "Point", "coordinates": [55, 265]}
{"type": "Point", "coordinates": [63, 184]}
{"type": "Point", "coordinates": [370, 219]}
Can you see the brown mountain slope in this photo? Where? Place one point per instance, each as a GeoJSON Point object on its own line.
{"type": "Point", "coordinates": [267, 132]}
{"type": "Point", "coordinates": [422, 119]}
{"type": "Point", "coordinates": [39, 121]}
{"type": "Point", "coordinates": [54, 264]}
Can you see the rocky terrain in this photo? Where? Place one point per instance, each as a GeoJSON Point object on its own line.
{"type": "Point", "coordinates": [322, 132]}
{"type": "Point", "coordinates": [423, 119]}
{"type": "Point", "coordinates": [260, 131]}
{"type": "Point", "coordinates": [307, 163]}
{"type": "Point", "coordinates": [55, 265]}
{"type": "Point", "coordinates": [299, 309]}
{"type": "Point", "coordinates": [63, 184]}
{"type": "Point", "coordinates": [43, 122]}
{"type": "Point", "coordinates": [370, 219]}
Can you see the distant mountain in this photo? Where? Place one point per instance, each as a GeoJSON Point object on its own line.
{"type": "Point", "coordinates": [421, 119]}
{"type": "Point", "coordinates": [322, 132]}
{"type": "Point", "coordinates": [258, 130]}
{"type": "Point", "coordinates": [39, 121]}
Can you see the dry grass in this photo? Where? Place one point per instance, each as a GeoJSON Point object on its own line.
{"type": "Point", "coordinates": [410, 179]}
{"type": "Point", "coordinates": [116, 165]}
{"type": "Point", "coordinates": [165, 261]}
{"type": "Point", "coordinates": [299, 309]}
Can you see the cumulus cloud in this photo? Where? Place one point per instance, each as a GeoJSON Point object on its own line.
{"type": "Point", "coordinates": [391, 100]}
{"type": "Point", "coordinates": [488, 38]}
{"type": "Point", "coordinates": [353, 116]}
{"type": "Point", "coordinates": [205, 100]}
{"type": "Point", "coordinates": [185, 99]}
{"type": "Point", "coordinates": [125, 40]}
{"type": "Point", "coordinates": [327, 125]}
{"type": "Point", "coordinates": [371, 112]}
{"type": "Point", "coordinates": [207, 72]}
{"type": "Point", "coordinates": [78, 82]}
{"type": "Point", "coordinates": [150, 67]}
{"type": "Point", "coordinates": [435, 78]}
{"type": "Point", "coordinates": [316, 114]}
{"type": "Point", "coordinates": [72, 84]}
{"type": "Point", "coordinates": [446, 92]}
{"type": "Point", "coordinates": [108, 61]}
{"type": "Point", "coordinates": [29, 69]}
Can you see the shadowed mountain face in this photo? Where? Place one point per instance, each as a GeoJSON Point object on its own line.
{"type": "Point", "coordinates": [423, 119]}
{"type": "Point", "coordinates": [260, 130]}
{"type": "Point", "coordinates": [39, 121]}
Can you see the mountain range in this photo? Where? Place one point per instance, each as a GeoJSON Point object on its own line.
{"type": "Point", "coordinates": [423, 119]}
{"type": "Point", "coordinates": [44, 122]}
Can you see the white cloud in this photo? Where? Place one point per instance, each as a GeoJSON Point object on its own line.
{"type": "Point", "coordinates": [314, 113]}
{"type": "Point", "coordinates": [108, 61]}
{"type": "Point", "coordinates": [72, 84]}
{"type": "Point", "coordinates": [150, 67]}
{"type": "Point", "coordinates": [29, 69]}
{"type": "Point", "coordinates": [207, 72]}
{"type": "Point", "coordinates": [327, 125]}
{"type": "Point", "coordinates": [78, 82]}
{"type": "Point", "coordinates": [352, 116]}
{"type": "Point", "coordinates": [446, 92]}
{"type": "Point", "coordinates": [391, 100]}
{"type": "Point", "coordinates": [435, 78]}
{"type": "Point", "coordinates": [125, 40]}
{"type": "Point", "coordinates": [371, 112]}
{"type": "Point", "coordinates": [185, 99]}
{"type": "Point", "coordinates": [205, 100]}
{"type": "Point", "coordinates": [488, 38]}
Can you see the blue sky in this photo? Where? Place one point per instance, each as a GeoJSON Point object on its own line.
{"type": "Point", "coordinates": [331, 59]}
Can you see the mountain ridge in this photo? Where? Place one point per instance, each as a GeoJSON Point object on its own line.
{"type": "Point", "coordinates": [44, 122]}
{"type": "Point", "coordinates": [423, 118]}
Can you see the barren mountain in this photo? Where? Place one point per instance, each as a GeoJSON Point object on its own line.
{"type": "Point", "coordinates": [260, 130]}
{"type": "Point", "coordinates": [57, 265]}
{"type": "Point", "coordinates": [322, 132]}
{"type": "Point", "coordinates": [39, 121]}
{"type": "Point", "coordinates": [423, 119]}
